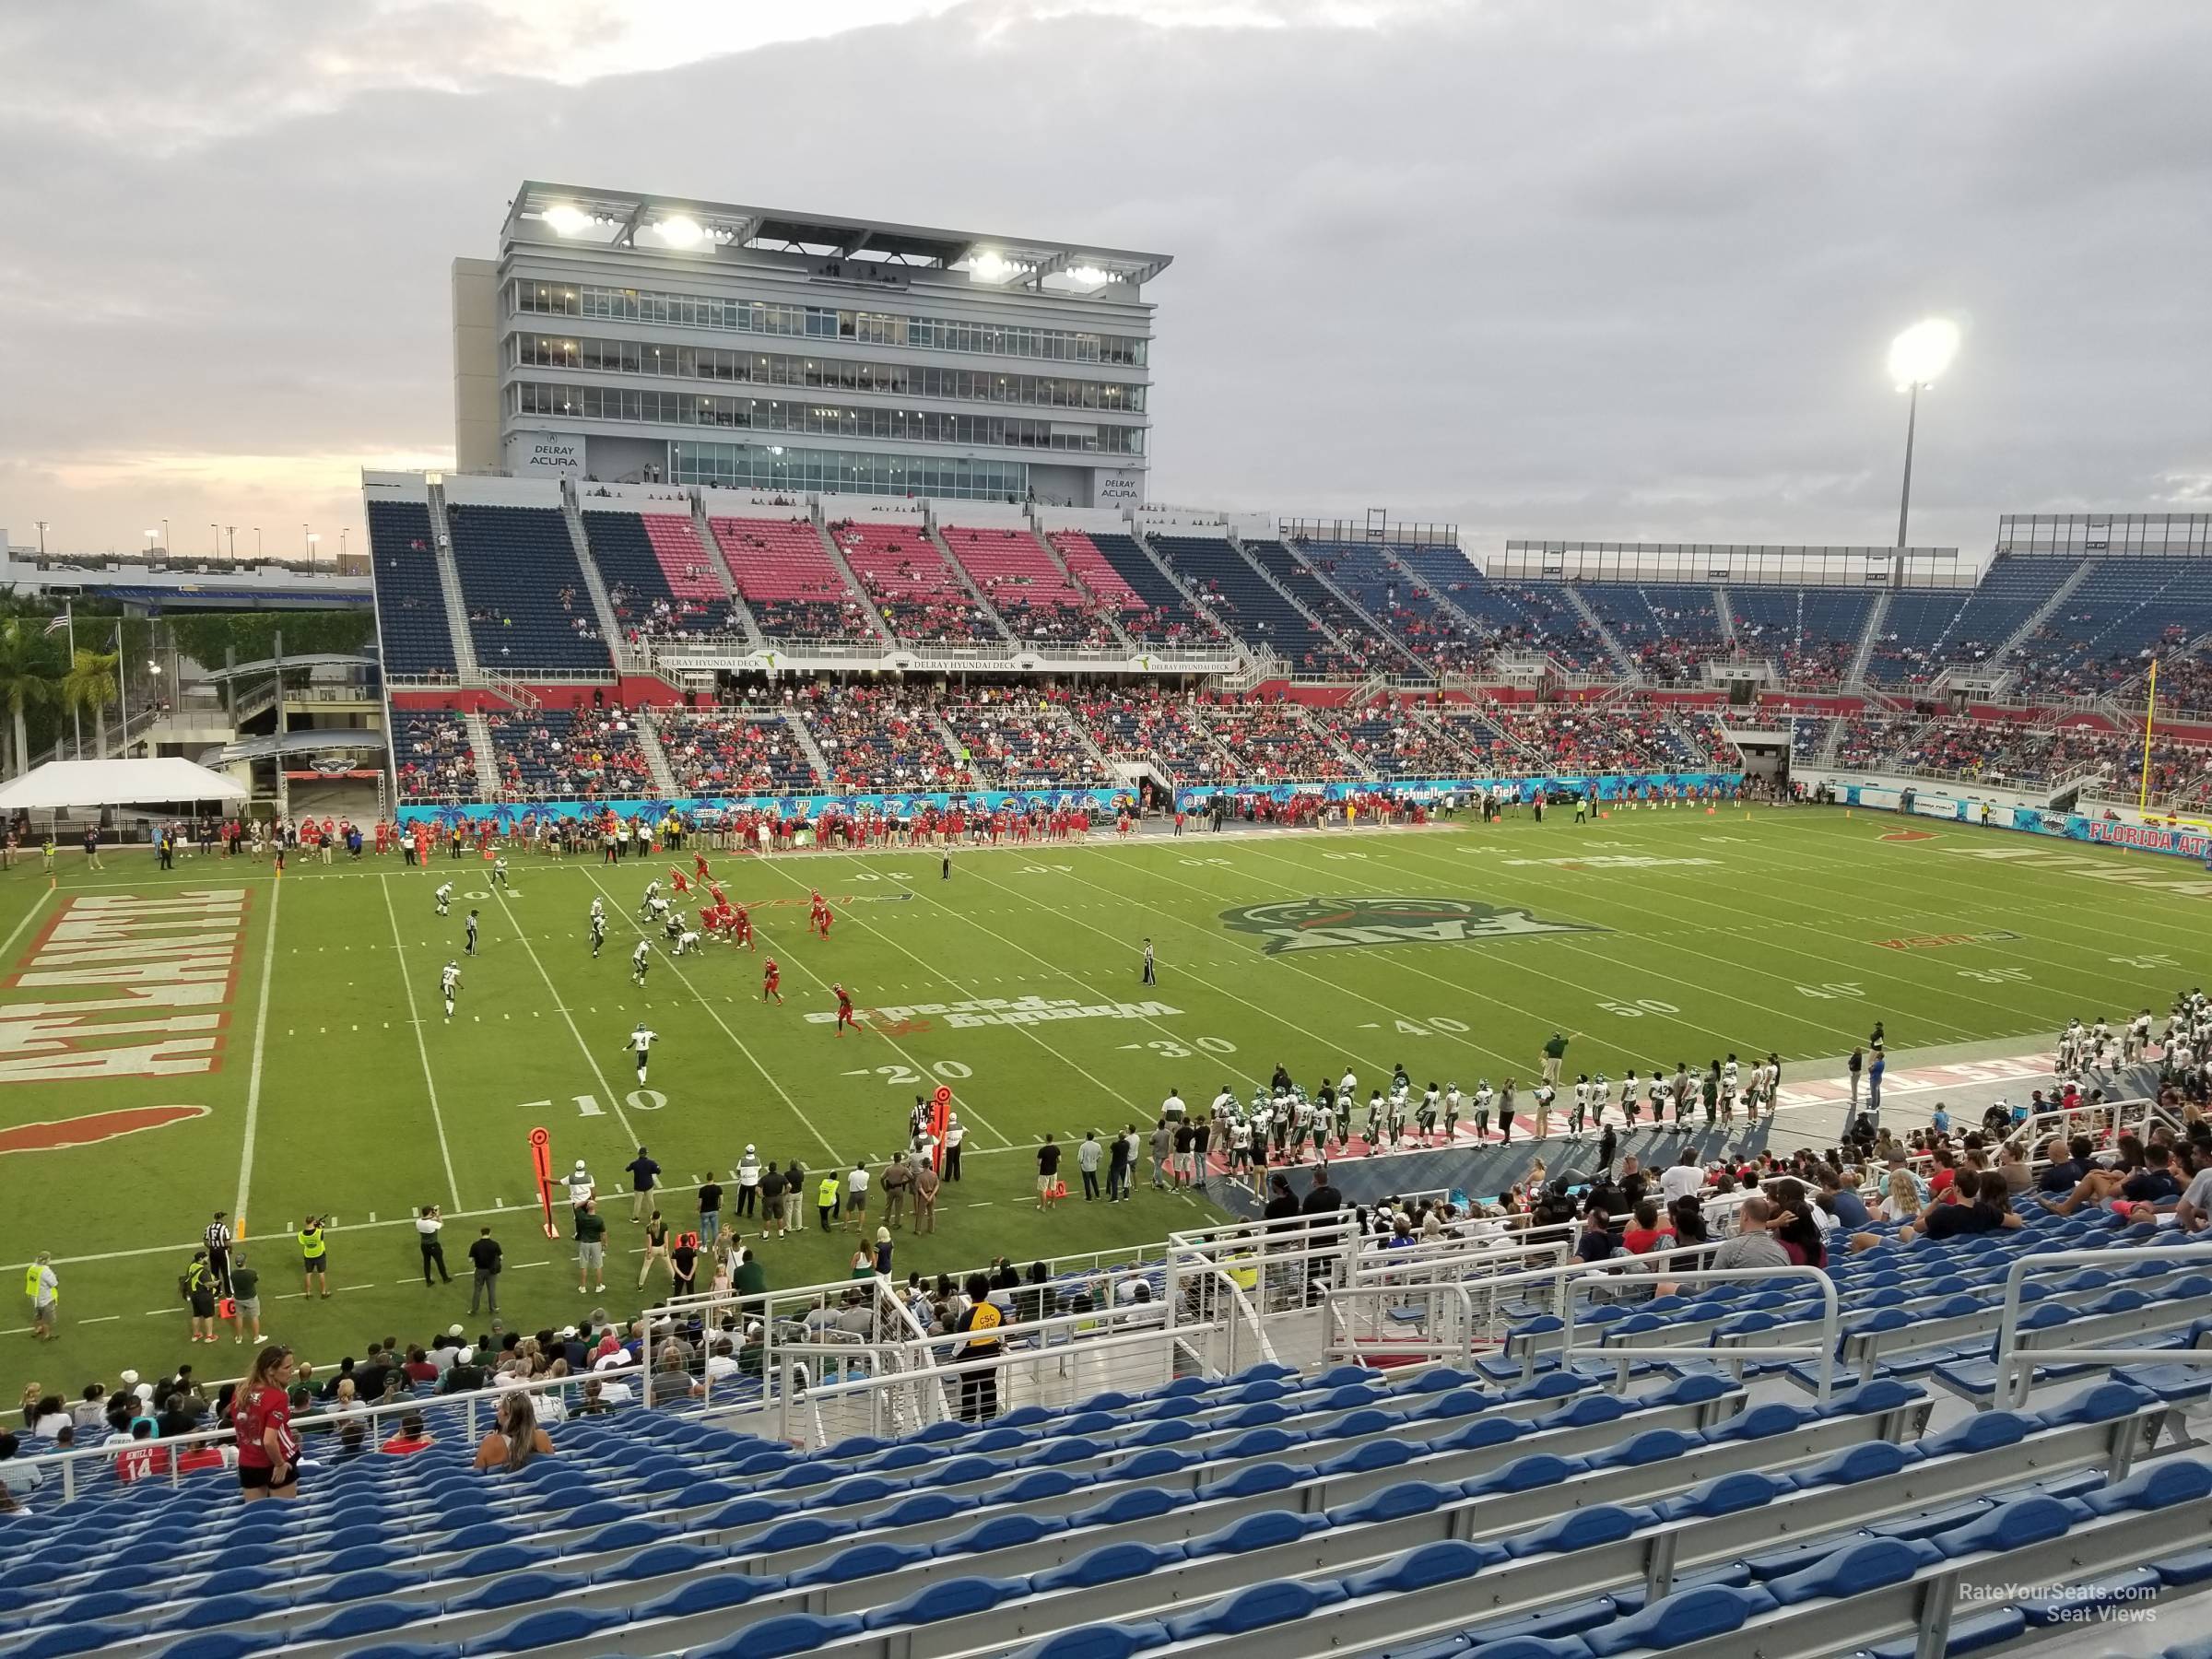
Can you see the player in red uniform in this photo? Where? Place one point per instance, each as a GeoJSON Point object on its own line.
{"type": "Point", "coordinates": [699, 864]}
{"type": "Point", "coordinates": [845, 1010]}
{"type": "Point", "coordinates": [676, 880]}
{"type": "Point", "coordinates": [768, 980]}
{"type": "Point", "coordinates": [822, 921]}
{"type": "Point", "coordinates": [818, 918]}
{"type": "Point", "coordinates": [738, 922]}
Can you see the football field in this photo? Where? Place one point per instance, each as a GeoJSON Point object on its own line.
{"type": "Point", "coordinates": [221, 1038]}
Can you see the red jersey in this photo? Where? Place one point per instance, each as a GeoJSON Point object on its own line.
{"type": "Point", "coordinates": [845, 1002]}
{"type": "Point", "coordinates": [141, 1459]}
{"type": "Point", "coordinates": [268, 1407]}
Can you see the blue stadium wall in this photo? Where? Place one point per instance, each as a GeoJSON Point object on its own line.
{"type": "Point", "coordinates": [1610, 787]}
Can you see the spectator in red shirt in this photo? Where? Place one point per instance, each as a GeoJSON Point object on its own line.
{"type": "Point", "coordinates": [268, 1449]}
{"type": "Point", "coordinates": [413, 1436]}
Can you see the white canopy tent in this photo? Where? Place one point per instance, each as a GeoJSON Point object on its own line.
{"type": "Point", "coordinates": [62, 784]}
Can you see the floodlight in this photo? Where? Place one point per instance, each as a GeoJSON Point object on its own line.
{"type": "Point", "coordinates": [1090, 275]}
{"type": "Point", "coordinates": [681, 232]}
{"type": "Point", "coordinates": [1923, 352]}
{"type": "Point", "coordinates": [565, 220]}
{"type": "Point", "coordinates": [992, 268]}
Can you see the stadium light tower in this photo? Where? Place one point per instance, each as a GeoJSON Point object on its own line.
{"type": "Point", "coordinates": [1916, 358]}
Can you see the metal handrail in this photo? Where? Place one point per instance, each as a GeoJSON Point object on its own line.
{"type": "Point", "coordinates": [1825, 1356]}
{"type": "Point", "coordinates": [2007, 1394]}
{"type": "Point", "coordinates": [1334, 1321]}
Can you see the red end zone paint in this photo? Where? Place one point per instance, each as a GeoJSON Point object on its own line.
{"type": "Point", "coordinates": [95, 1127]}
{"type": "Point", "coordinates": [1910, 835]}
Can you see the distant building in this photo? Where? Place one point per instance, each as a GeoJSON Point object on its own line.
{"type": "Point", "coordinates": [626, 338]}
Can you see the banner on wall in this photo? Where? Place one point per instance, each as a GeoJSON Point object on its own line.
{"type": "Point", "coordinates": [556, 452]}
{"type": "Point", "coordinates": [2176, 841]}
{"type": "Point", "coordinates": [1611, 786]}
{"type": "Point", "coordinates": [707, 811]}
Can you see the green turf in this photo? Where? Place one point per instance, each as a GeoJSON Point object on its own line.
{"type": "Point", "coordinates": [1749, 932]}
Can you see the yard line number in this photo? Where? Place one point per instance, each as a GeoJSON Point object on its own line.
{"type": "Point", "coordinates": [637, 1100]}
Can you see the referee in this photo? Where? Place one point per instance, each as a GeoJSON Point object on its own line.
{"type": "Point", "coordinates": [218, 1240]}
{"type": "Point", "coordinates": [1151, 977]}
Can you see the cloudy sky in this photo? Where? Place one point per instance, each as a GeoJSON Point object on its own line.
{"type": "Point", "coordinates": [1537, 266]}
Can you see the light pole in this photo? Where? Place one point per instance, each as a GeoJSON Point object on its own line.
{"type": "Point", "coordinates": [41, 540]}
{"type": "Point", "coordinates": [166, 544]}
{"type": "Point", "coordinates": [258, 544]}
{"type": "Point", "coordinates": [1916, 358]}
{"type": "Point", "coordinates": [311, 540]}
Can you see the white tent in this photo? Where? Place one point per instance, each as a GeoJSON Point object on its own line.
{"type": "Point", "coordinates": [60, 784]}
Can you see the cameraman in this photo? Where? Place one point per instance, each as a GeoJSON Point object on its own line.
{"type": "Point", "coordinates": [315, 1257]}
{"type": "Point", "coordinates": [427, 1228]}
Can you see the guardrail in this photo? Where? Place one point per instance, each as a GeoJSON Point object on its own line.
{"type": "Point", "coordinates": [2017, 1360]}
{"type": "Point", "coordinates": [1563, 1279]}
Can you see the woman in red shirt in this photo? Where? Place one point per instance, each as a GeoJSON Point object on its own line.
{"type": "Point", "coordinates": [268, 1450]}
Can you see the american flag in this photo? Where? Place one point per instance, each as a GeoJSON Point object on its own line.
{"type": "Point", "coordinates": [56, 624]}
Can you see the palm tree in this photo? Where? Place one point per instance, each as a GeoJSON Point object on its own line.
{"type": "Point", "coordinates": [29, 679]}
{"type": "Point", "coordinates": [90, 685]}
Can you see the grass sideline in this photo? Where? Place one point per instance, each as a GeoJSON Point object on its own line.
{"type": "Point", "coordinates": [1658, 937]}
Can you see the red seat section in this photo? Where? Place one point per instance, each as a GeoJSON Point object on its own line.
{"type": "Point", "coordinates": [676, 544]}
{"type": "Point", "coordinates": [1019, 577]}
{"type": "Point", "coordinates": [912, 584]}
{"type": "Point", "coordinates": [1089, 567]}
{"type": "Point", "coordinates": [788, 578]}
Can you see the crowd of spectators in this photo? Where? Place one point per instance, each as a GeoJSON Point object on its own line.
{"type": "Point", "coordinates": [436, 760]}
{"type": "Point", "coordinates": [1018, 742]}
{"type": "Point", "coordinates": [1132, 726]}
{"type": "Point", "coordinates": [1393, 740]}
{"type": "Point", "coordinates": [1622, 733]}
{"type": "Point", "coordinates": [912, 586]}
{"type": "Point", "coordinates": [723, 752]}
{"type": "Point", "coordinates": [669, 616]}
{"type": "Point", "coordinates": [561, 754]}
{"type": "Point", "coordinates": [1275, 743]}
{"type": "Point", "coordinates": [878, 737]}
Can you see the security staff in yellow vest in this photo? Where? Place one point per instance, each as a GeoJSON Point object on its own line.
{"type": "Point", "coordinates": [315, 1257]}
{"type": "Point", "coordinates": [979, 1324]}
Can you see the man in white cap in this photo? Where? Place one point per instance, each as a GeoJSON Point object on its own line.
{"type": "Point", "coordinates": [581, 1187]}
{"type": "Point", "coordinates": [747, 1176]}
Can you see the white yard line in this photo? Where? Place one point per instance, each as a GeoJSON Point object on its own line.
{"type": "Point", "coordinates": [700, 996]}
{"type": "Point", "coordinates": [916, 1067]}
{"type": "Point", "coordinates": [614, 1100]}
{"type": "Point", "coordinates": [7, 946]}
{"type": "Point", "coordinates": [261, 1032]}
{"type": "Point", "coordinates": [422, 1048]}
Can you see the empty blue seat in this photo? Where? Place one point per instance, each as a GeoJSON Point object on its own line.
{"type": "Point", "coordinates": [1695, 1614]}
{"type": "Point", "coordinates": [948, 1598]}
{"type": "Point", "coordinates": [1869, 1564]}
{"type": "Point", "coordinates": [775, 1638]}
{"type": "Point", "coordinates": [2009, 1526]}
{"type": "Point", "coordinates": [2161, 1485]}
{"type": "Point", "coordinates": [707, 1595]}
{"type": "Point", "coordinates": [1088, 1642]}
{"type": "Point", "coordinates": [1278, 1601]}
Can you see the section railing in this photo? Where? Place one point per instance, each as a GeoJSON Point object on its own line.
{"type": "Point", "coordinates": [2017, 1356]}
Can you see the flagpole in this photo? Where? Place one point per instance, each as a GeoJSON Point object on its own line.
{"type": "Point", "coordinates": [2150, 708]}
